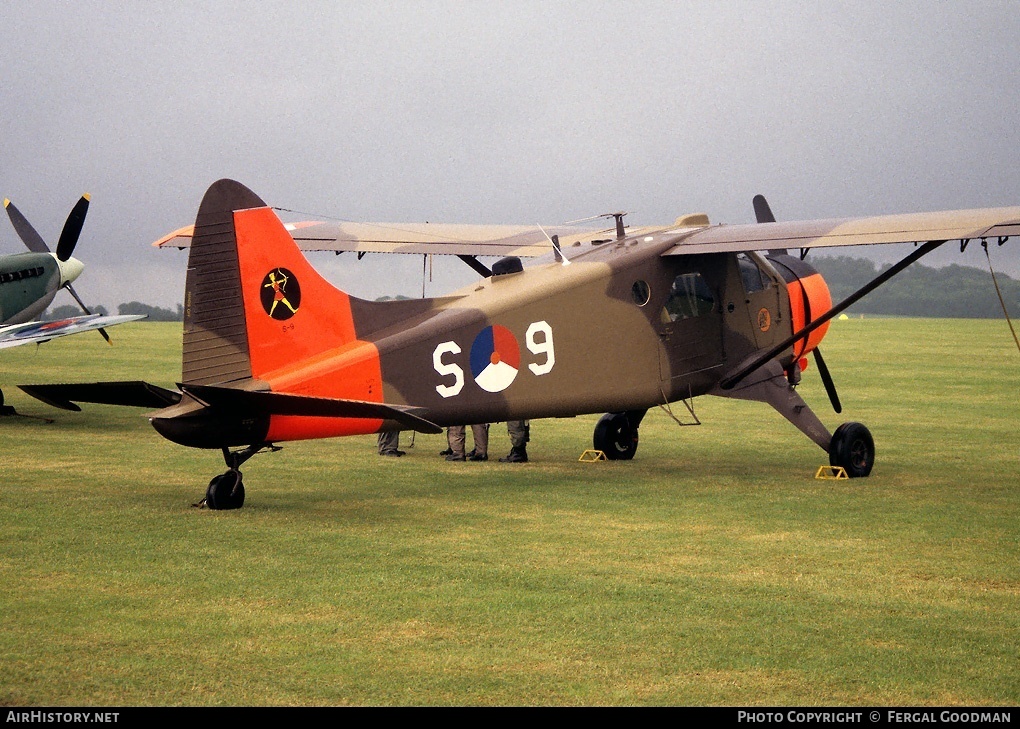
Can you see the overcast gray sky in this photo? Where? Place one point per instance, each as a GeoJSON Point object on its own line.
{"type": "Point", "coordinates": [515, 112]}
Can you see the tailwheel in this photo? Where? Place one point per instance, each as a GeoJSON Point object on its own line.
{"type": "Point", "coordinates": [225, 491]}
{"type": "Point", "coordinates": [853, 448]}
{"type": "Point", "coordinates": [616, 437]}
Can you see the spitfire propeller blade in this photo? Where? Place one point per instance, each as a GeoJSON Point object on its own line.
{"type": "Point", "coordinates": [830, 387]}
{"type": "Point", "coordinates": [32, 240]}
{"type": "Point", "coordinates": [72, 228]}
{"type": "Point", "coordinates": [70, 290]}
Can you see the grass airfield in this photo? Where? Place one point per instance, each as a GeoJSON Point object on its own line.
{"type": "Point", "coordinates": [714, 569]}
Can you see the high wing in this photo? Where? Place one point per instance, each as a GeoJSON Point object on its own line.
{"type": "Point", "coordinates": [43, 331]}
{"type": "Point", "coordinates": [908, 228]}
{"type": "Point", "coordinates": [436, 238]}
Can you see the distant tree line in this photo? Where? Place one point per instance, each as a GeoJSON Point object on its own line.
{"type": "Point", "coordinates": [948, 292]}
{"type": "Point", "coordinates": [153, 313]}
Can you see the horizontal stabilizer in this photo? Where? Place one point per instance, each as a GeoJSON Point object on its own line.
{"type": "Point", "coordinates": [133, 394]}
{"type": "Point", "coordinates": [281, 403]}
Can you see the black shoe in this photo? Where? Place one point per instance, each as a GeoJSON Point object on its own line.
{"type": "Point", "coordinates": [392, 454]}
{"type": "Point", "coordinates": [516, 455]}
{"type": "Point", "coordinates": [470, 453]}
{"type": "Point", "coordinates": [447, 452]}
{"type": "Point", "coordinates": [455, 457]}
{"type": "Point", "coordinates": [473, 456]}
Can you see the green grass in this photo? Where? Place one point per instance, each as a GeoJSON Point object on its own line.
{"type": "Point", "coordinates": [712, 569]}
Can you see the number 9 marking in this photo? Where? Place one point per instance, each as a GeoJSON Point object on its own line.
{"type": "Point", "coordinates": [545, 346]}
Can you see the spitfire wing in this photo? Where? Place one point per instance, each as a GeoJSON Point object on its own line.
{"type": "Point", "coordinates": [43, 331]}
{"type": "Point", "coordinates": [435, 238]}
{"type": "Point", "coordinates": [908, 228]}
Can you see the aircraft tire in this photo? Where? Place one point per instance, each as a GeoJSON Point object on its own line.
{"type": "Point", "coordinates": [615, 437]}
{"type": "Point", "coordinates": [852, 448]}
{"type": "Point", "coordinates": [225, 491]}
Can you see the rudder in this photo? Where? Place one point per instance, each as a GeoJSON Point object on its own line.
{"type": "Point", "coordinates": [253, 303]}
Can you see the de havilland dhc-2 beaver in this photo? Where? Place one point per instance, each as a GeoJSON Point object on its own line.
{"type": "Point", "coordinates": [617, 322]}
{"type": "Point", "coordinates": [29, 281]}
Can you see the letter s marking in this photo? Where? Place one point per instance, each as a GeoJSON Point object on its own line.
{"type": "Point", "coordinates": [448, 369]}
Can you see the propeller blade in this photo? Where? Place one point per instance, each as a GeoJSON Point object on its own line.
{"type": "Point", "coordinates": [763, 214]}
{"type": "Point", "coordinates": [32, 240]}
{"type": "Point", "coordinates": [830, 388]}
{"type": "Point", "coordinates": [762, 211]}
{"type": "Point", "coordinates": [72, 228]}
{"type": "Point", "coordinates": [70, 290]}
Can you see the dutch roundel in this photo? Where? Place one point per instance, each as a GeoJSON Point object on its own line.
{"type": "Point", "coordinates": [495, 358]}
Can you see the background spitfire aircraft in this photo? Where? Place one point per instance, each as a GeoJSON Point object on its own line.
{"type": "Point", "coordinates": [29, 281]}
{"type": "Point", "coordinates": [272, 352]}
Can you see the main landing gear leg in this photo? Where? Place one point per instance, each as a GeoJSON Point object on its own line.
{"type": "Point", "coordinates": [226, 491]}
{"type": "Point", "coordinates": [850, 447]}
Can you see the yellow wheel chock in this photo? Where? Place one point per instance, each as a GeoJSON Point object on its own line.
{"type": "Point", "coordinates": [590, 456]}
{"type": "Point", "coordinates": [831, 473]}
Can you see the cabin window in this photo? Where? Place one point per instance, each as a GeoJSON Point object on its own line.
{"type": "Point", "coordinates": [689, 297]}
{"type": "Point", "coordinates": [752, 276]}
{"type": "Point", "coordinates": [640, 292]}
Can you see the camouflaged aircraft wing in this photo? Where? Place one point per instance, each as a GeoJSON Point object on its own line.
{"type": "Point", "coordinates": [908, 228]}
{"type": "Point", "coordinates": [524, 241]}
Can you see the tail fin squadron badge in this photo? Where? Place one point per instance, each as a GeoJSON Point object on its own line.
{"type": "Point", "coordinates": [280, 294]}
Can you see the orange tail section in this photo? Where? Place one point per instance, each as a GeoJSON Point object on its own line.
{"type": "Point", "coordinates": [256, 310]}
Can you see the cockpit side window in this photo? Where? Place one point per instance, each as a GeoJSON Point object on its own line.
{"type": "Point", "coordinates": [752, 276]}
{"type": "Point", "coordinates": [689, 297]}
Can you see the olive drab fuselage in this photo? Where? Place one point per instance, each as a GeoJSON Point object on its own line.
{"type": "Point", "coordinates": [620, 328]}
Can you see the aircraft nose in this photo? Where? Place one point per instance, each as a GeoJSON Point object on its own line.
{"type": "Point", "coordinates": [70, 270]}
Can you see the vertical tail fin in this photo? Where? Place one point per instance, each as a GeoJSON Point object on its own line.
{"type": "Point", "coordinates": [253, 303]}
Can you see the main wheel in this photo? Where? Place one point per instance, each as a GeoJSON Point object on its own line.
{"type": "Point", "coordinates": [225, 491]}
{"type": "Point", "coordinates": [852, 448]}
{"type": "Point", "coordinates": [616, 437]}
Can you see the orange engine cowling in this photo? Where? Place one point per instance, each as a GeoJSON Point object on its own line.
{"type": "Point", "coordinates": [809, 299]}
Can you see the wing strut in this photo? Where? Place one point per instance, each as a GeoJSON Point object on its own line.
{"type": "Point", "coordinates": [728, 382]}
{"type": "Point", "coordinates": [477, 266]}
{"type": "Point", "coordinates": [1002, 302]}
